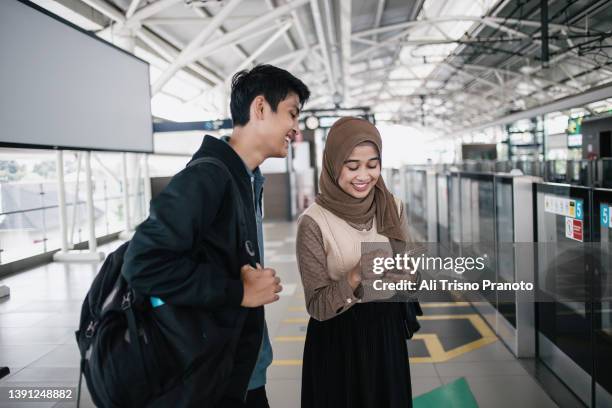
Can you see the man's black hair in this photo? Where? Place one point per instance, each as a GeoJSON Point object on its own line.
{"type": "Point", "coordinates": [267, 80]}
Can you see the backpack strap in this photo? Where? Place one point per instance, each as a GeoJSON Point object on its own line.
{"type": "Point", "coordinates": [242, 223]}
{"type": "Point", "coordinates": [243, 236]}
{"type": "Point", "coordinates": [81, 370]}
{"type": "Point", "coordinates": [242, 230]}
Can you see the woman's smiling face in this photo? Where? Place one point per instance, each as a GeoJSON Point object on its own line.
{"type": "Point", "coordinates": [360, 171]}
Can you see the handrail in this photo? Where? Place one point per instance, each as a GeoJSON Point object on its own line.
{"type": "Point", "coordinates": [48, 207]}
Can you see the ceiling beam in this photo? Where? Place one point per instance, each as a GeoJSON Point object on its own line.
{"type": "Point", "coordinates": [286, 37]}
{"type": "Point", "coordinates": [515, 74]}
{"type": "Point", "coordinates": [106, 9]}
{"type": "Point", "coordinates": [345, 31]}
{"type": "Point", "coordinates": [503, 28]}
{"type": "Point", "coordinates": [87, 12]}
{"type": "Point", "coordinates": [184, 56]}
{"type": "Point", "coordinates": [330, 24]}
{"type": "Point", "coordinates": [380, 7]}
{"type": "Point", "coordinates": [289, 57]}
{"type": "Point", "coordinates": [169, 53]}
{"type": "Point", "coordinates": [590, 96]}
{"type": "Point", "coordinates": [203, 12]}
{"type": "Point", "coordinates": [175, 21]}
{"type": "Point", "coordinates": [453, 19]}
{"type": "Point", "coordinates": [134, 21]}
{"type": "Point", "coordinates": [153, 41]}
{"type": "Point", "coordinates": [263, 47]}
{"type": "Point", "coordinates": [132, 8]}
{"type": "Point", "coordinates": [177, 45]}
{"type": "Point", "coordinates": [250, 30]}
{"type": "Point", "coordinates": [316, 15]}
{"type": "Point", "coordinates": [225, 84]}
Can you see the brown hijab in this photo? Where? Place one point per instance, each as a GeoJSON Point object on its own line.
{"type": "Point", "coordinates": [343, 136]}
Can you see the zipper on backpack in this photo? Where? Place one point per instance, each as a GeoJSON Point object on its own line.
{"type": "Point", "coordinates": [126, 302]}
{"type": "Point", "coordinates": [91, 329]}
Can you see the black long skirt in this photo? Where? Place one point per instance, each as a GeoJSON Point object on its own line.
{"type": "Point", "coordinates": [358, 359]}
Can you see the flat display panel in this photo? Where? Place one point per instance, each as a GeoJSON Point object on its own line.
{"type": "Point", "coordinates": [62, 87]}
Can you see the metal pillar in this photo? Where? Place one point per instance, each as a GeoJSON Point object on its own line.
{"type": "Point", "coordinates": [147, 183]}
{"type": "Point", "coordinates": [75, 201]}
{"type": "Point", "coordinates": [85, 256]}
{"type": "Point", "coordinates": [93, 244]}
{"type": "Point", "coordinates": [126, 193]}
{"type": "Point", "coordinates": [61, 197]}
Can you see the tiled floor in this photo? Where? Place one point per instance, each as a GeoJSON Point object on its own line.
{"type": "Point", "coordinates": [37, 326]}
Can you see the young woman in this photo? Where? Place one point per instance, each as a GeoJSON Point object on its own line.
{"type": "Point", "coordinates": [355, 354]}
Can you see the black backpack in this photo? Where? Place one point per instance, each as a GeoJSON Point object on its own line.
{"type": "Point", "coordinates": [119, 371]}
{"type": "Point", "coordinates": [112, 316]}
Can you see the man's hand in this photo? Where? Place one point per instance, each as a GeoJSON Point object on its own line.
{"type": "Point", "coordinates": [261, 286]}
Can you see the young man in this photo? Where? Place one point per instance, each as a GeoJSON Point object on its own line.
{"type": "Point", "coordinates": [188, 253]}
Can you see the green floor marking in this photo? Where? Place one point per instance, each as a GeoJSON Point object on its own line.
{"type": "Point", "coordinates": [454, 395]}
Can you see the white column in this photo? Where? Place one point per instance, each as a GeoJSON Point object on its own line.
{"type": "Point", "coordinates": [126, 196]}
{"type": "Point", "coordinates": [93, 244]}
{"type": "Point", "coordinates": [61, 197]}
{"type": "Point", "coordinates": [92, 255]}
{"type": "Point", "coordinates": [75, 201]}
{"type": "Point", "coordinates": [147, 183]}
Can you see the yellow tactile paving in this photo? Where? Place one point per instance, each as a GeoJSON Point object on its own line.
{"type": "Point", "coordinates": [287, 363]}
{"type": "Point", "coordinates": [289, 338]}
{"type": "Point", "coordinates": [423, 305]}
{"type": "Point", "coordinates": [432, 341]}
{"type": "Point", "coordinates": [444, 304]}
{"type": "Point", "coordinates": [298, 320]}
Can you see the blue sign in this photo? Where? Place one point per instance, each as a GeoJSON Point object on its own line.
{"type": "Point", "coordinates": [604, 214]}
{"type": "Point", "coordinates": [579, 211]}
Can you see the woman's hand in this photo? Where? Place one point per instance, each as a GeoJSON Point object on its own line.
{"type": "Point", "coordinates": [354, 276]}
{"type": "Point", "coordinates": [364, 265]}
{"type": "Point", "coordinates": [367, 263]}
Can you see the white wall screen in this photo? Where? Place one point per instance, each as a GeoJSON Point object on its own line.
{"type": "Point", "coordinates": [60, 87]}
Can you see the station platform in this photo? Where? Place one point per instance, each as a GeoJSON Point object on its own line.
{"type": "Point", "coordinates": [455, 359]}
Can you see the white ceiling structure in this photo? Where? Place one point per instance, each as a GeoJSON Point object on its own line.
{"type": "Point", "coordinates": [443, 64]}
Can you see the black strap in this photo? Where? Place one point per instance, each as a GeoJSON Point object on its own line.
{"type": "Point", "coordinates": [128, 309]}
{"type": "Point", "coordinates": [82, 367]}
{"type": "Point", "coordinates": [244, 239]}
{"type": "Point", "coordinates": [221, 165]}
{"type": "Point", "coordinates": [242, 223]}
